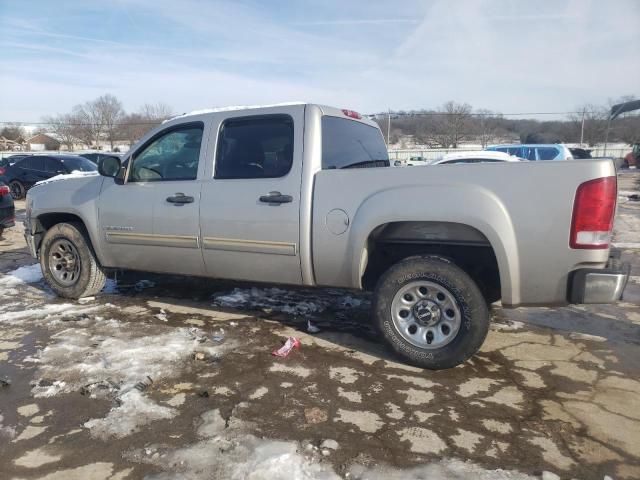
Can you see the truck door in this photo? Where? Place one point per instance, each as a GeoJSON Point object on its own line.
{"type": "Point", "coordinates": [151, 221]}
{"type": "Point", "coordinates": [249, 213]}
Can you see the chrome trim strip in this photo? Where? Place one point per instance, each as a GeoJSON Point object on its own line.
{"type": "Point", "coordinates": [251, 246]}
{"type": "Point", "coordinates": [153, 240]}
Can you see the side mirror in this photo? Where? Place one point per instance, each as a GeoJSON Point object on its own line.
{"type": "Point", "coordinates": [109, 166]}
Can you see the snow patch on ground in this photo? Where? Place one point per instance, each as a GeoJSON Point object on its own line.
{"type": "Point", "coordinates": [47, 311]}
{"type": "Point", "coordinates": [118, 361]}
{"type": "Point", "coordinates": [442, 470]}
{"type": "Point", "coordinates": [291, 302]}
{"type": "Point", "coordinates": [22, 275]}
{"type": "Point", "coordinates": [5, 431]}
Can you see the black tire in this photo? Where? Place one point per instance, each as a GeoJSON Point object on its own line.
{"type": "Point", "coordinates": [18, 191]}
{"type": "Point", "coordinates": [473, 323]}
{"type": "Point", "coordinates": [90, 277]}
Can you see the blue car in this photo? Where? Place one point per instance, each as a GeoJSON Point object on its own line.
{"type": "Point", "coordinates": [534, 152]}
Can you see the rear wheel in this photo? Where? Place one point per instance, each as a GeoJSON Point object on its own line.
{"type": "Point", "coordinates": [17, 190]}
{"type": "Point", "coordinates": [431, 312]}
{"type": "Point", "coordinates": [68, 263]}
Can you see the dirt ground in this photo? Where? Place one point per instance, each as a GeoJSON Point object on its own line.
{"type": "Point", "coordinates": [167, 377]}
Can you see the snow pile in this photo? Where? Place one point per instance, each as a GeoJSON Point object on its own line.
{"type": "Point", "coordinates": [22, 275]}
{"type": "Point", "coordinates": [227, 452]}
{"type": "Point", "coordinates": [118, 361]}
{"type": "Point", "coordinates": [67, 176]}
{"type": "Point", "coordinates": [293, 302]}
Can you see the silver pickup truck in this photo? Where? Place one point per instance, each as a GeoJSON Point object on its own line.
{"type": "Point", "coordinates": [302, 194]}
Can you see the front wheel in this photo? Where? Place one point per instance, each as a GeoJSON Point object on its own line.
{"type": "Point", "coordinates": [68, 263]}
{"type": "Point", "coordinates": [430, 312]}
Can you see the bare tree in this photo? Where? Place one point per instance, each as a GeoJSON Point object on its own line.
{"type": "Point", "coordinates": [488, 125]}
{"type": "Point", "coordinates": [12, 132]}
{"type": "Point", "coordinates": [89, 125]}
{"type": "Point", "coordinates": [590, 123]}
{"type": "Point", "coordinates": [109, 110]}
{"type": "Point", "coordinates": [133, 126]}
{"type": "Point", "coordinates": [157, 111]}
{"type": "Point", "coordinates": [65, 127]}
{"type": "Point", "coordinates": [452, 124]}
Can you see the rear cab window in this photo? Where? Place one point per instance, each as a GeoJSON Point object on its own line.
{"type": "Point", "coordinates": [350, 144]}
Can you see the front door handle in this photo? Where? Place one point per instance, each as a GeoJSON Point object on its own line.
{"type": "Point", "coordinates": [276, 198]}
{"type": "Point", "coordinates": [180, 199]}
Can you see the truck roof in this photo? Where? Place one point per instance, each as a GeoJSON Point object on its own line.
{"type": "Point", "coordinates": [326, 110]}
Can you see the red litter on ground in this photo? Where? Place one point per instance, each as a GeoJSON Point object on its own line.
{"type": "Point", "coordinates": [285, 349]}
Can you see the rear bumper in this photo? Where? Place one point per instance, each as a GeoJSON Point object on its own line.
{"type": "Point", "coordinates": [592, 285]}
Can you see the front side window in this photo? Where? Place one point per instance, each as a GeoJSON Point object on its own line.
{"type": "Point", "coordinates": [255, 147]}
{"type": "Point", "coordinates": [350, 144]}
{"type": "Point", "coordinates": [173, 155]}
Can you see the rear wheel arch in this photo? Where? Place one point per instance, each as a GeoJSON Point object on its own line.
{"type": "Point", "coordinates": [461, 244]}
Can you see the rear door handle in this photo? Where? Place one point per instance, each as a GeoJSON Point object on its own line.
{"type": "Point", "coordinates": [276, 198]}
{"type": "Point", "coordinates": [180, 199]}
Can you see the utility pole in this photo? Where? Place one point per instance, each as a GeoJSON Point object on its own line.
{"type": "Point", "coordinates": [582, 129]}
{"type": "Point", "coordinates": [389, 128]}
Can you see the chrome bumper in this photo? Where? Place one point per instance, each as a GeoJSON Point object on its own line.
{"type": "Point", "coordinates": [591, 285]}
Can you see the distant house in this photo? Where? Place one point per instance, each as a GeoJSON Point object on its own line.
{"type": "Point", "coordinates": [42, 141]}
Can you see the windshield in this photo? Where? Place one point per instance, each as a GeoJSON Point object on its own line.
{"type": "Point", "coordinates": [347, 143]}
{"type": "Point", "coordinates": [78, 164]}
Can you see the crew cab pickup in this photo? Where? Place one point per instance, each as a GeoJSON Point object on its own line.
{"type": "Point", "coordinates": [303, 194]}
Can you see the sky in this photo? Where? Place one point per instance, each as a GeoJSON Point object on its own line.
{"type": "Point", "coordinates": [510, 56]}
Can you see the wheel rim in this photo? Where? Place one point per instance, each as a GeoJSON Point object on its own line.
{"type": "Point", "coordinates": [16, 191]}
{"type": "Point", "coordinates": [64, 262]}
{"type": "Point", "coordinates": [426, 314]}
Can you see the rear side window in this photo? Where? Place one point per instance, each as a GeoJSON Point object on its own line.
{"type": "Point", "coordinates": [255, 147]}
{"type": "Point", "coordinates": [25, 163]}
{"type": "Point", "coordinates": [37, 163]}
{"type": "Point", "coordinates": [547, 153]}
{"type": "Point", "coordinates": [347, 144]}
{"type": "Point", "coordinates": [52, 165]}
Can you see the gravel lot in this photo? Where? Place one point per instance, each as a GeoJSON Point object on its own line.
{"type": "Point", "coordinates": [166, 377]}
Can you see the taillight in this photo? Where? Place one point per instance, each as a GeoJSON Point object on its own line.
{"type": "Point", "coordinates": [593, 210]}
{"type": "Point", "coordinates": [2, 170]}
{"type": "Point", "coordinates": [352, 114]}
{"type": "Point", "coordinates": [4, 190]}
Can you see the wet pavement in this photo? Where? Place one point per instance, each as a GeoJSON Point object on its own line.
{"type": "Point", "coordinates": [168, 377]}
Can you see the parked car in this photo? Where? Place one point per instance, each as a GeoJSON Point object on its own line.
{"type": "Point", "coordinates": [7, 209]}
{"type": "Point", "coordinates": [302, 194]}
{"type": "Point", "coordinates": [27, 171]}
{"type": "Point", "coordinates": [552, 151]}
{"type": "Point", "coordinates": [95, 157]}
{"type": "Point", "coordinates": [632, 159]}
{"type": "Point", "coordinates": [475, 157]}
{"type": "Point", "coordinates": [580, 153]}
